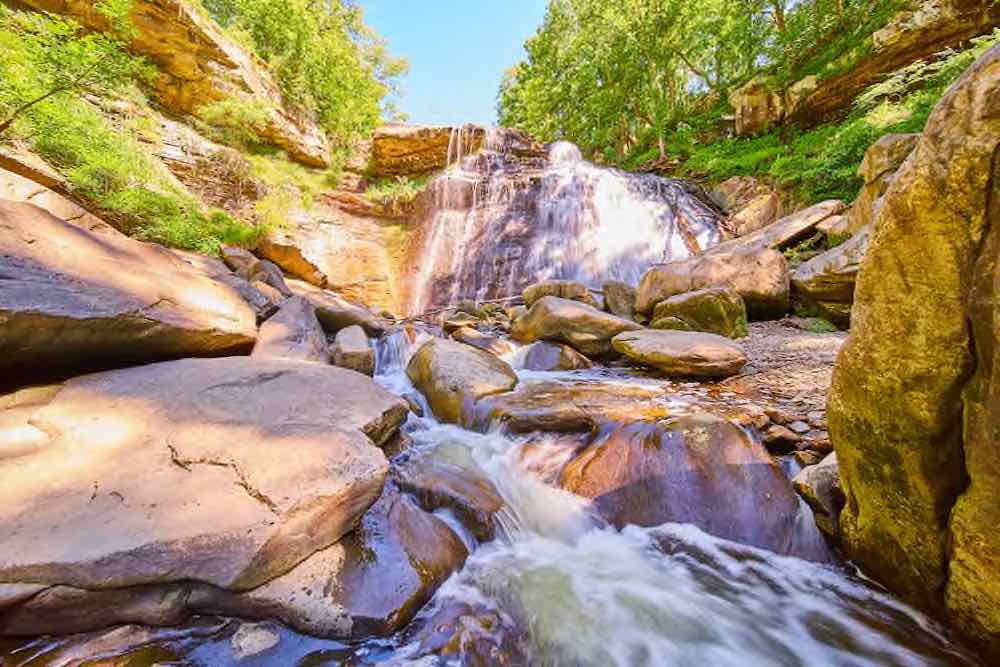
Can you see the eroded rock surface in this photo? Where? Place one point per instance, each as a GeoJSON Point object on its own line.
{"type": "Point", "coordinates": [683, 353]}
{"type": "Point", "coordinates": [293, 333]}
{"type": "Point", "coordinates": [78, 298]}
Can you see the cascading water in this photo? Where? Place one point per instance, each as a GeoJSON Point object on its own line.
{"type": "Point", "coordinates": [505, 214]}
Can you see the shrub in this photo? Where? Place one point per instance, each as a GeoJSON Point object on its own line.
{"type": "Point", "coordinates": [235, 121]}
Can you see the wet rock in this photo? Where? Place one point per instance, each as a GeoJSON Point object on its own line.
{"type": "Point", "coordinates": [571, 406]}
{"type": "Point", "coordinates": [472, 635]}
{"type": "Point", "coordinates": [819, 486]}
{"type": "Point", "coordinates": [807, 457]}
{"type": "Point", "coordinates": [696, 469]}
{"type": "Point", "coordinates": [408, 150]}
{"type": "Point", "coordinates": [453, 376]}
{"type": "Point", "coordinates": [563, 289]}
{"type": "Point", "coordinates": [828, 280]}
{"type": "Point", "coordinates": [683, 353]}
{"type": "Point", "coordinates": [439, 485]}
{"type": "Point", "coordinates": [372, 582]}
{"type": "Point", "coordinates": [352, 350]}
{"type": "Point", "coordinates": [919, 467]}
{"type": "Point", "coordinates": [543, 356]}
{"type": "Point", "coordinates": [718, 310]}
{"type": "Point", "coordinates": [251, 639]}
{"type": "Point", "coordinates": [800, 427]}
{"type": "Point", "coordinates": [335, 312]}
{"type": "Point", "coordinates": [489, 343]}
{"type": "Point", "coordinates": [77, 299]}
{"type": "Point", "coordinates": [781, 439]}
{"type": "Point", "coordinates": [293, 334]}
{"type": "Point", "coordinates": [180, 472]}
{"type": "Point", "coordinates": [619, 299]}
{"type": "Point", "coordinates": [452, 321]}
{"type": "Point", "coordinates": [583, 327]}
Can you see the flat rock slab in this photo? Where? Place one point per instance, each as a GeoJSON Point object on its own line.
{"type": "Point", "coordinates": [74, 298]}
{"type": "Point", "coordinates": [583, 327]}
{"type": "Point", "coordinates": [223, 471]}
{"type": "Point", "coordinates": [352, 350]}
{"type": "Point", "coordinates": [294, 334]}
{"type": "Point", "coordinates": [335, 312]}
{"type": "Point", "coordinates": [683, 353]}
{"type": "Point", "coordinates": [453, 376]}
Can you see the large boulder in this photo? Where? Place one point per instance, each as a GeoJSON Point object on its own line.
{"type": "Point", "coordinates": [264, 300]}
{"type": "Point", "coordinates": [619, 299]}
{"type": "Point", "coordinates": [220, 472]}
{"type": "Point", "coordinates": [542, 356]}
{"type": "Point", "coordinates": [881, 161]}
{"type": "Point", "coordinates": [752, 265]}
{"type": "Point", "coordinates": [564, 289]}
{"type": "Point", "coordinates": [351, 349]}
{"type": "Point", "coordinates": [913, 407]}
{"type": "Point", "coordinates": [484, 341]}
{"type": "Point", "coordinates": [583, 327]}
{"type": "Point", "coordinates": [294, 334]}
{"type": "Point", "coordinates": [698, 469]}
{"type": "Point", "coordinates": [758, 213]}
{"type": "Point", "coordinates": [453, 376]}
{"type": "Point", "coordinates": [335, 312]}
{"type": "Point", "coordinates": [718, 310]}
{"type": "Point", "coordinates": [827, 280]}
{"type": "Point", "coordinates": [76, 298]}
{"type": "Point", "coordinates": [683, 353]}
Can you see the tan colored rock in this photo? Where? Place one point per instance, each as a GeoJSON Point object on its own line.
{"type": "Point", "coordinates": [819, 486]}
{"type": "Point", "coordinates": [827, 280]}
{"type": "Point", "coordinates": [619, 299]}
{"type": "Point", "coordinates": [758, 107]}
{"type": "Point", "coordinates": [581, 326]}
{"type": "Point", "coordinates": [737, 191]}
{"type": "Point", "coordinates": [719, 310]}
{"type": "Point", "coordinates": [264, 299]}
{"type": "Point", "coordinates": [81, 298]}
{"type": "Point", "coordinates": [198, 64]}
{"type": "Point", "coordinates": [475, 338]}
{"type": "Point", "coordinates": [698, 469]}
{"type": "Point", "coordinates": [684, 353]}
{"type": "Point", "coordinates": [882, 160]}
{"type": "Point", "coordinates": [180, 471]}
{"type": "Point", "coordinates": [409, 150]}
{"type": "Point", "coordinates": [453, 376]}
{"type": "Point", "coordinates": [543, 356]}
{"type": "Point", "coordinates": [352, 350]}
{"type": "Point", "coordinates": [572, 406]}
{"type": "Point", "coordinates": [294, 334]}
{"type": "Point", "coordinates": [564, 289]}
{"type": "Point", "coordinates": [335, 312]}
{"type": "Point", "coordinates": [912, 407]}
{"type": "Point", "coordinates": [756, 214]}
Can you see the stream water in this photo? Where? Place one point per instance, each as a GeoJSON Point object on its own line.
{"type": "Point", "coordinates": [558, 586]}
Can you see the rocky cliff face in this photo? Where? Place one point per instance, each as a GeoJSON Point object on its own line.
{"type": "Point", "coordinates": [200, 65]}
{"type": "Point", "coordinates": [913, 34]}
{"type": "Point", "coordinates": [913, 408]}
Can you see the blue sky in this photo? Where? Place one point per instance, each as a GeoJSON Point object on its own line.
{"type": "Point", "coordinates": [458, 50]}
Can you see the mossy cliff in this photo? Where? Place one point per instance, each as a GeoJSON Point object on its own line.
{"type": "Point", "coordinates": [913, 409]}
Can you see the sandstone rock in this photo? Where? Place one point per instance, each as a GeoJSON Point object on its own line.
{"type": "Point", "coordinates": [819, 486]}
{"type": "Point", "coordinates": [293, 334]}
{"type": "Point", "coordinates": [198, 64]}
{"type": "Point", "coordinates": [682, 353]}
{"type": "Point", "coordinates": [440, 485]}
{"type": "Point", "coordinates": [542, 356]}
{"type": "Point", "coordinates": [671, 323]}
{"type": "Point", "coordinates": [475, 338]}
{"type": "Point", "coordinates": [335, 312]}
{"type": "Point", "coordinates": [828, 280]}
{"type": "Point", "coordinates": [736, 192]}
{"type": "Point", "coordinates": [696, 469]}
{"type": "Point", "coordinates": [619, 299]}
{"type": "Point", "coordinates": [240, 260]}
{"type": "Point", "coordinates": [453, 376]}
{"type": "Point", "coordinates": [571, 406]}
{"type": "Point", "coordinates": [263, 271]}
{"type": "Point", "coordinates": [755, 215]}
{"type": "Point", "coordinates": [882, 160]}
{"type": "Point", "coordinates": [560, 320]}
{"type": "Point", "coordinates": [77, 298]}
{"type": "Point", "coordinates": [911, 412]}
{"type": "Point", "coordinates": [352, 350]}
{"type": "Point", "coordinates": [409, 150]}
{"type": "Point", "coordinates": [564, 289]}
{"type": "Point", "coordinates": [780, 439]}
{"type": "Point", "coordinates": [468, 633]}
{"type": "Point", "coordinates": [452, 321]}
{"type": "Point", "coordinates": [719, 310]}
{"type": "Point", "coordinates": [372, 582]}
{"type": "Point", "coordinates": [758, 107]}
{"type": "Point", "coordinates": [180, 472]}
{"type": "Point", "coordinates": [263, 299]}
{"type": "Point", "coordinates": [836, 228]}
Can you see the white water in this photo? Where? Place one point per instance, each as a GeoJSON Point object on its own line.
{"type": "Point", "coordinates": [499, 221]}
{"type": "Point", "coordinates": [671, 595]}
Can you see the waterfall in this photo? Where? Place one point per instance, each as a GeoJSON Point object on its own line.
{"type": "Point", "coordinates": [506, 213]}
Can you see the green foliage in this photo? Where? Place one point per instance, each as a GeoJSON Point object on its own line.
{"type": "Point", "coordinates": [819, 325]}
{"type": "Point", "coordinates": [394, 191]}
{"type": "Point", "coordinates": [236, 121]}
{"type": "Point", "coordinates": [326, 60]}
{"type": "Point", "coordinates": [101, 162]}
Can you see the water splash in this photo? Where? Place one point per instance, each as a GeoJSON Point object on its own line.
{"type": "Point", "coordinates": [505, 214]}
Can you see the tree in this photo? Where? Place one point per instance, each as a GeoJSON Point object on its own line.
{"type": "Point", "coordinates": [44, 56]}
